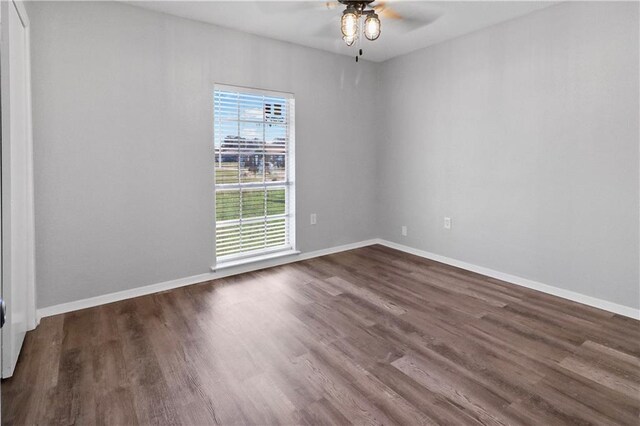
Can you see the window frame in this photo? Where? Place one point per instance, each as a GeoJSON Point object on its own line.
{"type": "Point", "coordinates": [220, 262]}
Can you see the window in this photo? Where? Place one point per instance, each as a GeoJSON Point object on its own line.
{"type": "Point", "coordinates": [254, 166]}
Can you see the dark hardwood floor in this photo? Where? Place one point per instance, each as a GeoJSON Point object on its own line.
{"type": "Point", "coordinates": [369, 336]}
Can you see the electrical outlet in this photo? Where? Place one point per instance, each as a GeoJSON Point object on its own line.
{"type": "Point", "coordinates": [447, 223]}
{"type": "Point", "coordinates": [404, 231]}
{"type": "Point", "coordinates": [313, 219]}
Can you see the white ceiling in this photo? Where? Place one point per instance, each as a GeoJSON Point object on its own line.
{"type": "Point", "coordinates": [313, 24]}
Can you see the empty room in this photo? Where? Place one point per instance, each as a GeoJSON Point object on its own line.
{"type": "Point", "coordinates": [320, 212]}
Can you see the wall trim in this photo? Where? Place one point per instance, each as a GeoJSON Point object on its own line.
{"type": "Point", "coordinates": [181, 282]}
{"type": "Point", "coordinates": [523, 282]}
{"type": "Point", "coordinates": [195, 279]}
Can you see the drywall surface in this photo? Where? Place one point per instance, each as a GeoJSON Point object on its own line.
{"type": "Point", "coordinates": [526, 135]}
{"type": "Point", "coordinates": [123, 143]}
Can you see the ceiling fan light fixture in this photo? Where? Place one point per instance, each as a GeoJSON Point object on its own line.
{"type": "Point", "coordinates": [350, 23]}
{"type": "Point", "coordinates": [372, 26]}
{"type": "Point", "coordinates": [349, 40]}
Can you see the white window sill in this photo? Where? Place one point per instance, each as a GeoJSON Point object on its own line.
{"type": "Point", "coordinates": [253, 259]}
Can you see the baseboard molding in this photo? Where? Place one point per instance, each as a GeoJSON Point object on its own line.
{"type": "Point", "coordinates": [524, 282]}
{"type": "Point", "coordinates": [181, 282]}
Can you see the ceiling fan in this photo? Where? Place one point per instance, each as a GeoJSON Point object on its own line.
{"type": "Point", "coordinates": [362, 15]}
{"type": "Point", "coordinates": [361, 19]}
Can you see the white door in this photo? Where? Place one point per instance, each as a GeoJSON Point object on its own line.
{"type": "Point", "coordinates": [17, 183]}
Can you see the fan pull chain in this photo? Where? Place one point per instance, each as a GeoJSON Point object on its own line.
{"type": "Point", "coordinates": [359, 40]}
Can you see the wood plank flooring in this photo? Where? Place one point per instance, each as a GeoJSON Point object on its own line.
{"type": "Point", "coordinates": [368, 336]}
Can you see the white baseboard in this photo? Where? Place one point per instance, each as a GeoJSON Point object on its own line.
{"type": "Point", "coordinates": [181, 282]}
{"type": "Point", "coordinates": [524, 282]}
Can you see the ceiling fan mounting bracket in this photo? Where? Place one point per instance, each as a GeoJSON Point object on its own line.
{"type": "Point", "coordinates": [357, 4]}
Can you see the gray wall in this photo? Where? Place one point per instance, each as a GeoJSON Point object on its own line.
{"type": "Point", "coordinates": [123, 143]}
{"type": "Point", "coordinates": [526, 135]}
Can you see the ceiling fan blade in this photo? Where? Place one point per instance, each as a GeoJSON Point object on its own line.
{"type": "Point", "coordinates": [386, 12]}
{"type": "Point", "coordinates": [284, 7]}
{"type": "Point", "coordinates": [409, 24]}
{"type": "Point", "coordinates": [407, 20]}
{"type": "Point", "coordinates": [331, 5]}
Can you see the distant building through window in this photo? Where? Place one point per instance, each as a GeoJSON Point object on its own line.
{"type": "Point", "coordinates": [254, 166]}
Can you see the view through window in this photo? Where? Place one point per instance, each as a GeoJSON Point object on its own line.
{"type": "Point", "coordinates": [253, 141]}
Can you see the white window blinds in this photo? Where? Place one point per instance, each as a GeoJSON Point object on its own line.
{"type": "Point", "coordinates": [253, 141]}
